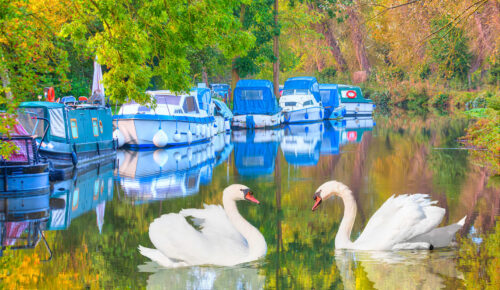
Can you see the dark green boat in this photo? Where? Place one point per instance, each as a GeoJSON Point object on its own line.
{"type": "Point", "coordinates": [77, 135]}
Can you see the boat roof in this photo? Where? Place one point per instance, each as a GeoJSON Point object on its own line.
{"type": "Point", "coordinates": [309, 83]}
{"type": "Point", "coordinates": [39, 104]}
{"type": "Point", "coordinates": [255, 83]}
{"type": "Point", "coordinates": [328, 86]}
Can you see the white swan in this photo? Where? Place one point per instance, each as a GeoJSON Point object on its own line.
{"type": "Point", "coordinates": [225, 238]}
{"type": "Point", "coordinates": [402, 222]}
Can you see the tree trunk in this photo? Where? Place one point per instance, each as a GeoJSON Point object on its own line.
{"type": "Point", "coordinates": [204, 76]}
{"type": "Point", "coordinates": [276, 64]}
{"type": "Point", "coordinates": [235, 75]}
{"type": "Point", "coordinates": [357, 37]}
{"type": "Point", "coordinates": [331, 39]}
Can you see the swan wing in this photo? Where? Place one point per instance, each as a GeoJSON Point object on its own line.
{"type": "Point", "coordinates": [399, 220]}
{"type": "Point", "coordinates": [214, 223]}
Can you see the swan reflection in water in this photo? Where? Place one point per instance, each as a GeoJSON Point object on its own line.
{"type": "Point", "coordinates": [419, 269]}
{"type": "Point", "coordinates": [245, 276]}
{"type": "Point", "coordinates": [225, 238]}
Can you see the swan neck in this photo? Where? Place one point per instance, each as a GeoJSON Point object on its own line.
{"type": "Point", "coordinates": [256, 243]}
{"type": "Point", "coordinates": [343, 238]}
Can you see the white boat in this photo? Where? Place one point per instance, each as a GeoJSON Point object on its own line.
{"type": "Point", "coordinates": [176, 120]}
{"type": "Point", "coordinates": [301, 101]}
{"type": "Point", "coordinates": [255, 105]}
{"type": "Point", "coordinates": [350, 97]}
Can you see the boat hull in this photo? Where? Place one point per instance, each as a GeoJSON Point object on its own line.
{"type": "Point", "coordinates": [17, 180]}
{"type": "Point", "coordinates": [139, 133]}
{"type": "Point", "coordinates": [357, 109]}
{"type": "Point", "coordinates": [312, 114]}
{"type": "Point", "coordinates": [257, 121]}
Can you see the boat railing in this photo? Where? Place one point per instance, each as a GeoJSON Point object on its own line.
{"type": "Point", "coordinates": [26, 153]}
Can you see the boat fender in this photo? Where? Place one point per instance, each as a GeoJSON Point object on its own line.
{"type": "Point", "coordinates": [189, 137]}
{"type": "Point", "coordinates": [177, 136]}
{"type": "Point", "coordinates": [74, 158]}
{"type": "Point", "coordinates": [177, 156]}
{"type": "Point", "coordinates": [216, 130]}
{"type": "Point", "coordinates": [118, 136]}
{"type": "Point", "coordinates": [160, 157]}
{"type": "Point", "coordinates": [306, 116]}
{"type": "Point", "coordinates": [160, 139]}
{"type": "Point", "coordinates": [190, 154]}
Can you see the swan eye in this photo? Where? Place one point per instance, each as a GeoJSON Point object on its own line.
{"type": "Point", "coordinates": [317, 194]}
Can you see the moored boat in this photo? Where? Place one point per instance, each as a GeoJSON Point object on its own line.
{"type": "Point", "coordinates": [301, 100]}
{"type": "Point", "coordinates": [331, 101]}
{"type": "Point", "coordinates": [355, 104]}
{"type": "Point", "coordinates": [255, 105]}
{"type": "Point", "coordinates": [175, 120]}
{"type": "Point", "coordinates": [77, 134]}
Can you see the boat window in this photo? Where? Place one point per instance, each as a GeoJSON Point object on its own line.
{"type": "Point", "coordinates": [57, 125]}
{"type": "Point", "coordinates": [190, 105]}
{"type": "Point", "coordinates": [168, 99]}
{"type": "Point", "coordinates": [95, 128]}
{"type": "Point", "coordinates": [32, 126]}
{"type": "Point", "coordinates": [290, 104]}
{"type": "Point", "coordinates": [143, 109]}
{"type": "Point", "coordinates": [295, 92]}
{"type": "Point", "coordinates": [325, 96]}
{"type": "Point", "coordinates": [74, 128]}
{"type": "Point", "coordinates": [253, 95]}
{"type": "Point", "coordinates": [308, 103]}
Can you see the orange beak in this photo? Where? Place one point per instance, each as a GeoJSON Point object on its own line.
{"type": "Point", "coordinates": [249, 197]}
{"type": "Point", "coordinates": [317, 202]}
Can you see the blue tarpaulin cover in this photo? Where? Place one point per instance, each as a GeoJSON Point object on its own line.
{"type": "Point", "coordinates": [222, 109]}
{"type": "Point", "coordinates": [308, 83]}
{"type": "Point", "coordinates": [255, 97]}
{"type": "Point", "coordinates": [329, 98]}
{"type": "Point", "coordinates": [330, 144]}
{"type": "Point", "coordinates": [255, 159]}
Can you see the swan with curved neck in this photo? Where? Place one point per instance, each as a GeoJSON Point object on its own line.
{"type": "Point", "coordinates": [402, 222]}
{"type": "Point", "coordinates": [225, 238]}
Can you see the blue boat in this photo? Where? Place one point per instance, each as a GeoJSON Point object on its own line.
{"type": "Point", "coordinates": [175, 120]}
{"type": "Point", "coordinates": [255, 105]}
{"type": "Point", "coordinates": [301, 100]}
{"type": "Point", "coordinates": [302, 143]}
{"type": "Point", "coordinates": [255, 151]}
{"type": "Point", "coordinates": [76, 134]}
{"type": "Point", "coordinates": [24, 172]}
{"type": "Point", "coordinates": [223, 91]}
{"type": "Point", "coordinates": [331, 101]}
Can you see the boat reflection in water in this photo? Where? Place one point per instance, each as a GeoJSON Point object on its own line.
{"type": "Point", "coordinates": [170, 172]}
{"type": "Point", "coordinates": [330, 144]}
{"type": "Point", "coordinates": [238, 277]}
{"type": "Point", "coordinates": [407, 269]}
{"type": "Point", "coordinates": [255, 151]}
{"type": "Point", "coordinates": [301, 144]}
{"type": "Point", "coordinates": [88, 190]}
{"type": "Point", "coordinates": [22, 220]}
{"type": "Point", "coordinates": [354, 128]}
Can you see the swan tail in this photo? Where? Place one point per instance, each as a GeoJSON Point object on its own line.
{"type": "Point", "coordinates": [461, 222]}
{"type": "Point", "coordinates": [158, 257]}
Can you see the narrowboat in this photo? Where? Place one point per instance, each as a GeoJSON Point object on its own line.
{"type": "Point", "coordinates": [301, 101]}
{"type": "Point", "coordinates": [149, 175]}
{"type": "Point", "coordinates": [88, 190]}
{"type": "Point", "coordinates": [301, 144]}
{"type": "Point", "coordinates": [175, 119]}
{"type": "Point", "coordinates": [355, 104]}
{"type": "Point", "coordinates": [255, 152]}
{"type": "Point", "coordinates": [255, 105]}
{"type": "Point", "coordinates": [76, 134]}
{"type": "Point", "coordinates": [24, 172]}
{"type": "Point", "coordinates": [331, 101]}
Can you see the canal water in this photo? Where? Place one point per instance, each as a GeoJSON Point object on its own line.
{"type": "Point", "coordinates": [101, 215]}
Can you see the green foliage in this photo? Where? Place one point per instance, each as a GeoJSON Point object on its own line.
{"type": "Point", "coordinates": [397, 73]}
{"type": "Point", "coordinates": [327, 75]}
{"type": "Point", "coordinates": [449, 50]}
{"type": "Point", "coordinates": [425, 72]}
{"type": "Point", "coordinates": [141, 41]}
{"type": "Point", "coordinates": [494, 72]}
{"type": "Point", "coordinates": [440, 101]}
